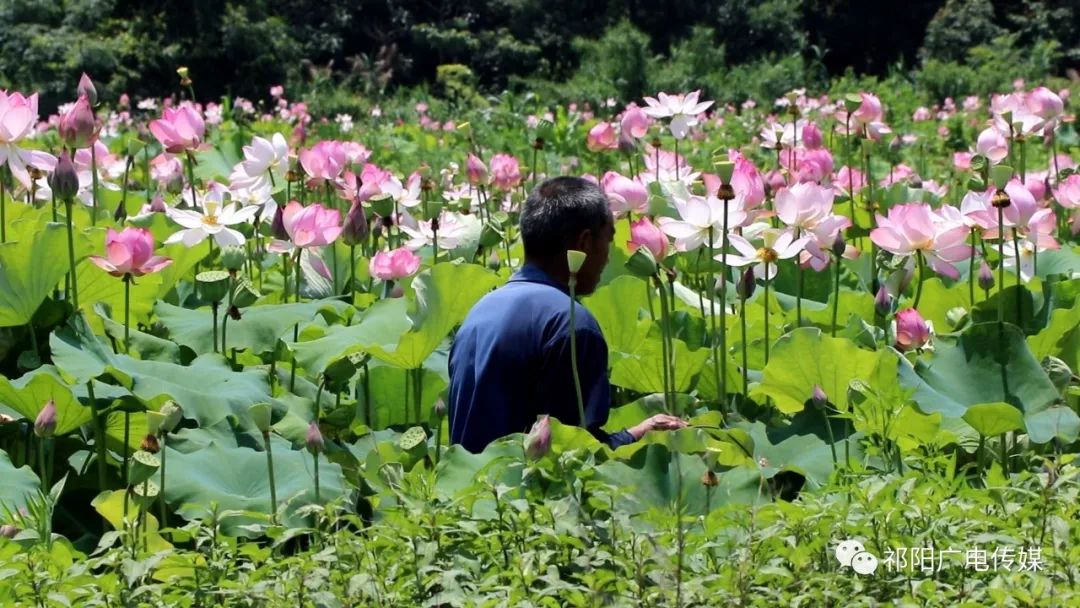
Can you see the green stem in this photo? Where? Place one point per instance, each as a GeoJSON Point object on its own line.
{"type": "Point", "coordinates": [573, 354]}
{"type": "Point", "coordinates": [296, 328]}
{"type": "Point", "coordinates": [214, 320]}
{"type": "Point", "coordinates": [971, 272]}
{"type": "Point", "coordinates": [43, 468]}
{"type": "Point", "coordinates": [99, 434]}
{"type": "Point", "coordinates": [919, 280]}
{"type": "Point", "coordinates": [225, 319]}
{"type": "Point", "coordinates": [836, 294]}
{"type": "Point", "coordinates": [315, 458]}
{"type": "Point", "coordinates": [93, 184]}
{"type": "Point", "coordinates": [725, 273]}
{"type": "Point", "coordinates": [1019, 291]}
{"type": "Point", "coordinates": [828, 429]}
{"type": "Point", "coordinates": [766, 302]}
{"type": "Point", "coordinates": [1001, 266]}
{"type": "Point", "coordinates": [270, 472]}
{"type": "Point", "coordinates": [3, 208]}
{"type": "Point", "coordinates": [74, 295]}
{"type": "Point", "coordinates": [718, 377]}
{"type": "Point", "coordinates": [745, 376]}
{"type": "Point", "coordinates": [163, 514]}
{"type": "Point", "coordinates": [127, 313]}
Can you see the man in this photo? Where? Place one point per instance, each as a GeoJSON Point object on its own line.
{"type": "Point", "coordinates": [510, 361]}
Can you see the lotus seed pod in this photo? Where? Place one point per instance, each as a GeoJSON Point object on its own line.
{"type": "Point", "coordinates": [142, 466]}
{"type": "Point", "coordinates": [574, 260]}
{"type": "Point", "coordinates": [260, 416]}
{"type": "Point", "coordinates": [1058, 371]}
{"type": "Point", "coordinates": [212, 285]}
{"type": "Point", "coordinates": [724, 170]}
{"type": "Point", "coordinates": [233, 257]}
{"type": "Point", "coordinates": [172, 413]}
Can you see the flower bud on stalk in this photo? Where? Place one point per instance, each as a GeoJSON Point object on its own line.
{"type": "Point", "coordinates": [277, 226]}
{"type": "Point", "coordinates": [8, 531]}
{"type": "Point", "coordinates": [86, 89]}
{"type": "Point", "coordinates": [538, 441]}
{"type": "Point", "coordinates": [746, 285]}
{"type": "Point", "coordinates": [355, 228]}
{"type": "Point", "coordinates": [78, 126]}
{"type": "Point", "coordinates": [45, 423]}
{"type": "Point", "coordinates": [819, 398]}
{"type": "Point", "coordinates": [314, 439]}
{"type": "Point", "coordinates": [64, 180]}
{"type": "Point", "coordinates": [882, 302]}
{"type": "Point", "coordinates": [986, 276]}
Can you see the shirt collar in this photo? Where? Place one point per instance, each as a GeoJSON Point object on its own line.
{"type": "Point", "coordinates": [531, 273]}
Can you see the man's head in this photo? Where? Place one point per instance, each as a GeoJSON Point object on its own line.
{"type": "Point", "coordinates": [568, 213]}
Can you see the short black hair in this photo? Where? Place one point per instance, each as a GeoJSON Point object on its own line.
{"type": "Point", "coordinates": [557, 211]}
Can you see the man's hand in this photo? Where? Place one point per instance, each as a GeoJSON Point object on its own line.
{"type": "Point", "coordinates": [659, 422]}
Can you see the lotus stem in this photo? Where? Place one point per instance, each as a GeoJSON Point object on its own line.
{"type": "Point", "coordinates": [296, 328]}
{"type": "Point", "coordinates": [919, 279]}
{"type": "Point", "coordinates": [719, 377]}
{"type": "Point", "coordinates": [3, 208]}
{"type": "Point", "coordinates": [43, 467]}
{"type": "Point", "coordinates": [74, 295]}
{"type": "Point", "coordinates": [971, 271]}
{"type": "Point", "coordinates": [745, 375]}
{"type": "Point", "coordinates": [161, 485]}
{"type": "Point", "coordinates": [214, 321]}
{"type": "Point", "coordinates": [127, 313]}
{"type": "Point", "coordinates": [836, 294]}
{"type": "Point", "coordinates": [93, 184]}
{"type": "Point", "coordinates": [315, 458]}
{"type": "Point", "coordinates": [766, 303]}
{"type": "Point", "coordinates": [1001, 266]}
{"type": "Point", "coordinates": [1019, 281]}
{"type": "Point", "coordinates": [573, 352]}
{"type": "Point", "coordinates": [270, 472]}
{"type": "Point", "coordinates": [99, 434]}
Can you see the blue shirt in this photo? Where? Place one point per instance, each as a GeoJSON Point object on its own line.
{"type": "Point", "coordinates": [510, 362]}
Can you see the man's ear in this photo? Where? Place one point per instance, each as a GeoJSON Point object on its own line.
{"type": "Point", "coordinates": [585, 240]}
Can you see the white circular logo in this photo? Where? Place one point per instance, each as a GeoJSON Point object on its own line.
{"type": "Point", "coordinates": [847, 550]}
{"type": "Point", "coordinates": [864, 563]}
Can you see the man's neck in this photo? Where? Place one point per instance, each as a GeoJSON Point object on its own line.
{"type": "Point", "coordinates": [558, 272]}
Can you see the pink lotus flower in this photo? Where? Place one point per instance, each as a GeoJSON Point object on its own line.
{"type": "Point", "coordinates": [130, 253]}
{"type": "Point", "coordinates": [643, 233]}
{"type": "Point", "coordinates": [602, 137]}
{"type": "Point", "coordinates": [505, 172]}
{"type": "Point", "coordinates": [921, 114]}
{"type": "Point", "coordinates": [670, 165]}
{"type": "Point", "coordinates": [1028, 219]}
{"type": "Point", "coordinates": [624, 194]}
{"type": "Point", "coordinates": [634, 122]}
{"type": "Point", "coordinates": [18, 116]}
{"type": "Point", "coordinates": [915, 228]}
{"type": "Point", "coordinates": [808, 165]}
{"type": "Point", "coordinates": [912, 331]}
{"type": "Point", "coordinates": [179, 129]}
{"type": "Point", "coordinates": [78, 126]}
{"type": "Point", "coordinates": [311, 226]}
{"type": "Point", "coordinates": [1067, 195]}
{"type": "Point", "coordinates": [869, 111]}
{"type": "Point", "coordinates": [992, 145]}
{"type": "Point", "coordinates": [811, 136]}
{"type": "Point", "coordinates": [476, 171]}
{"type": "Point", "coordinates": [682, 109]}
{"type": "Point", "coordinates": [848, 179]}
{"type": "Point", "coordinates": [804, 205]}
{"type": "Point", "coordinates": [1045, 104]}
{"type": "Point", "coordinates": [961, 160]}
{"type": "Point", "coordinates": [323, 162]}
{"type": "Point", "coordinates": [369, 185]}
{"type": "Point", "coordinates": [393, 265]}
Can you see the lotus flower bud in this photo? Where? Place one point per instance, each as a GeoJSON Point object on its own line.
{"type": "Point", "coordinates": [819, 398]}
{"type": "Point", "coordinates": [882, 302]}
{"type": "Point", "coordinates": [172, 414]}
{"type": "Point", "coordinates": [355, 229]}
{"type": "Point", "coordinates": [277, 226]}
{"type": "Point", "coordinates": [493, 261]}
{"type": "Point", "coordinates": [175, 184]}
{"type": "Point", "coordinates": [839, 246]}
{"type": "Point", "coordinates": [86, 89]}
{"type": "Point", "coordinates": [986, 276]}
{"type": "Point", "coordinates": [439, 408]}
{"type": "Point", "coordinates": [476, 170]}
{"type": "Point", "coordinates": [8, 531]}
{"type": "Point", "coordinates": [121, 212]}
{"type": "Point", "coordinates": [538, 441]}
{"type": "Point", "coordinates": [912, 331]}
{"type": "Point", "coordinates": [78, 126]}
{"type": "Point", "coordinates": [233, 257]}
{"type": "Point", "coordinates": [64, 180]}
{"type": "Point", "coordinates": [45, 423]}
{"type": "Point", "coordinates": [627, 145]}
{"type": "Point", "coordinates": [574, 260]}
{"type": "Point", "coordinates": [314, 439]}
{"type": "Point", "coordinates": [747, 284]}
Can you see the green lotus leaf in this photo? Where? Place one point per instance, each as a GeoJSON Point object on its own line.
{"type": "Point", "coordinates": [28, 395]}
{"type": "Point", "coordinates": [32, 266]}
{"type": "Point", "coordinates": [642, 370]}
{"type": "Point", "coordinates": [994, 418]}
{"type": "Point", "coordinates": [17, 485]}
{"type": "Point", "coordinates": [194, 481]}
{"type": "Point", "coordinates": [258, 330]}
{"type": "Point", "coordinates": [806, 358]}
